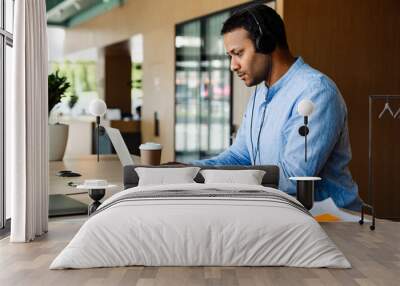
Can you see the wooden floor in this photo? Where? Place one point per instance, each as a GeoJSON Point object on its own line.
{"type": "Point", "coordinates": [374, 255]}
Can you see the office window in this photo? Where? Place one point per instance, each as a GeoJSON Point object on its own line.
{"type": "Point", "coordinates": [6, 43]}
{"type": "Point", "coordinates": [202, 89]}
{"type": "Point", "coordinates": [80, 69]}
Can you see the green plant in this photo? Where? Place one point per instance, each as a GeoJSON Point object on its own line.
{"type": "Point", "coordinates": [57, 86]}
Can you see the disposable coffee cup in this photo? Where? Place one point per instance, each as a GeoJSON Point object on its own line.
{"type": "Point", "coordinates": [150, 153]}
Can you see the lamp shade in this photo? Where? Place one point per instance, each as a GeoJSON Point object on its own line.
{"type": "Point", "coordinates": [305, 107]}
{"type": "Point", "coordinates": [97, 107]}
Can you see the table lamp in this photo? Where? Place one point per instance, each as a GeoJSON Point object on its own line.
{"type": "Point", "coordinates": [98, 107]}
{"type": "Point", "coordinates": [305, 185]}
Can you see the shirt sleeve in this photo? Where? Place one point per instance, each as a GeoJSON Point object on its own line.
{"type": "Point", "coordinates": [325, 126]}
{"type": "Point", "coordinates": [236, 154]}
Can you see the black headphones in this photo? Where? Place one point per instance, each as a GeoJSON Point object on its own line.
{"type": "Point", "coordinates": [265, 41]}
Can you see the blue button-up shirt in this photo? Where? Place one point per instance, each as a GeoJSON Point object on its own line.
{"type": "Point", "coordinates": [328, 144]}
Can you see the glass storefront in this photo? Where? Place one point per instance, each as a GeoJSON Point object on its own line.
{"type": "Point", "coordinates": [203, 89]}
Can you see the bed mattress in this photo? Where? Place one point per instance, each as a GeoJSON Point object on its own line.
{"type": "Point", "coordinates": [201, 225]}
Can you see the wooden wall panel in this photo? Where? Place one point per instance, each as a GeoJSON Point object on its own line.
{"type": "Point", "coordinates": [118, 69]}
{"type": "Point", "coordinates": [356, 43]}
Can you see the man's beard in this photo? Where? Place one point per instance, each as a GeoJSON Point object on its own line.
{"type": "Point", "coordinates": [255, 81]}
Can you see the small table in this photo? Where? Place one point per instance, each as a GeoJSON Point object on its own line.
{"type": "Point", "coordinates": [96, 193]}
{"type": "Point", "coordinates": [305, 190]}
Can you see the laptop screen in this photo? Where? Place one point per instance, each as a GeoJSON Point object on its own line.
{"type": "Point", "coordinates": [119, 146]}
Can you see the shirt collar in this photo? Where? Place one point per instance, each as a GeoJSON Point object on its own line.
{"type": "Point", "coordinates": [284, 79]}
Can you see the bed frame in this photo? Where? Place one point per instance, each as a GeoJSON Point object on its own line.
{"type": "Point", "coordinates": [270, 179]}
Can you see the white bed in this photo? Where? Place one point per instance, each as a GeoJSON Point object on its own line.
{"type": "Point", "coordinates": [185, 230]}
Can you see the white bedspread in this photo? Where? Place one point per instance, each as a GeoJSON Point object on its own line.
{"type": "Point", "coordinates": [200, 231]}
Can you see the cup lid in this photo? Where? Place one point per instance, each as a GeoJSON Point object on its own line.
{"type": "Point", "coordinates": [150, 146]}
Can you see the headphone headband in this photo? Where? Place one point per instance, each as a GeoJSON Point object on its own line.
{"type": "Point", "coordinates": [255, 20]}
{"type": "Point", "coordinates": [265, 42]}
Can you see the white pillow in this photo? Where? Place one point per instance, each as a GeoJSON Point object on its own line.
{"type": "Point", "coordinates": [249, 177]}
{"type": "Point", "coordinates": [165, 176]}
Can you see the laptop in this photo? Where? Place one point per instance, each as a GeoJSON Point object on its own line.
{"type": "Point", "coordinates": [119, 145]}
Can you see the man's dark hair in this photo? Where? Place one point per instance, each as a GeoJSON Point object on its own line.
{"type": "Point", "coordinates": [271, 24]}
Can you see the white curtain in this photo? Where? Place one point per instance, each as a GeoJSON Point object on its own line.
{"type": "Point", "coordinates": [27, 124]}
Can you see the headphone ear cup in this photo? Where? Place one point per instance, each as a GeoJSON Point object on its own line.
{"type": "Point", "coordinates": [266, 44]}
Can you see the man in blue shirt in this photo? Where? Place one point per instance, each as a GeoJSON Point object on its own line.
{"type": "Point", "coordinates": [255, 41]}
